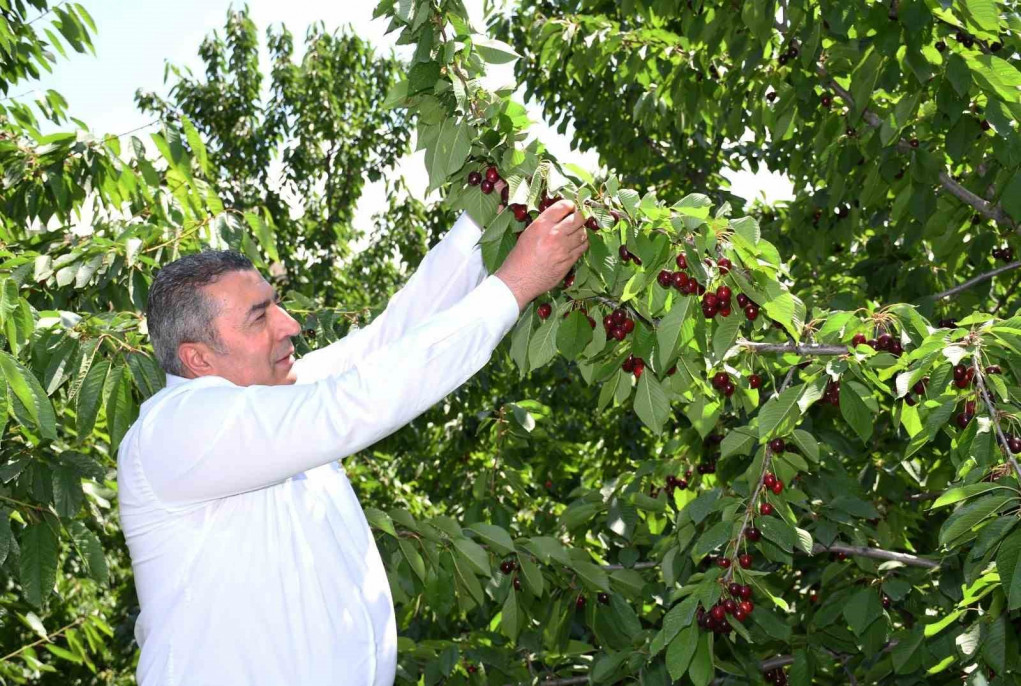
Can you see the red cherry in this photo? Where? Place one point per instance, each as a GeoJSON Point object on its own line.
{"type": "Point", "coordinates": [746, 593]}
{"type": "Point", "coordinates": [723, 293]}
{"type": "Point", "coordinates": [544, 311]}
{"type": "Point", "coordinates": [769, 480]}
{"type": "Point", "coordinates": [628, 366]}
{"type": "Point", "coordinates": [718, 613]}
{"type": "Point", "coordinates": [747, 606]}
{"type": "Point", "coordinates": [884, 341]}
{"type": "Point", "coordinates": [710, 300]}
{"type": "Point", "coordinates": [569, 281]}
{"type": "Point", "coordinates": [740, 615]}
{"type": "Point", "coordinates": [960, 372]}
{"type": "Point", "coordinates": [858, 339]}
{"type": "Point", "coordinates": [471, 669]}
{"type": "Point", "coordinates": [505, 195]}
{"type": "Point", "coordinates": [720, 379]}
{"type": "Point", "coordinates": [886, 602]}
{"type": "Point", "coordinates": [742, 300]}
{"type": "Point", "coordinates": [969, 407]}
{"type": "Point", "coordinates": [753, 534]}
{"type": "Point", "coordinates": [754, 381]}
{"type": "Point", "coordinates": [492, 175]}
{"type": "Point", "coordinates": [618, 333]}
{"type": "Point", "coordinates": [639, 368]}
{"type": "Point", "coordinates": [963, 419]}
{"type": "Point", "coordinates": [730, 605]}
{"type": "Point", "coordinates": [619, 316]}
{"type": "Point", "coordinates": [629, 325]}
{"type": "Point", "coordinates": [910, 401]}
{"type": "Point", "coordinates": [603, 598]}
{"type": "Point", "coordinates": [680, 280]}
{"type": "Point", "coordinates": [723, 562]}
{"type": "Point", "coordinates": [474, 178]}
{"type": "Point", "coordinates": [623, 252]}
{"type": "Point", "coordinates": [777, 488]}
{"type": "Point", "coordinates": [517, 584]}
{"type": "Point", "coordinates": [751, 312]}
{"type": "Point", "coordinates": [1014, 444]}
{"type": "Point", "coordinates": [745, 561]}
{"type": "Point", "coordinates": [724, 264]}
{"type": "Point", "coordinates": [766, 509]}
{"type": "Point", "coordinates": [616, 216]}
{"type": "Point", "coordinates": [777, 445]}
{"type": "Point", "coordinates": [665, 278]}
{"type": "Point", "coordinates": [579, 602]}
{"type": "Point", "coordinates": [548, 484]}
{"type": "Point", "coordinates": [725, 310]}
{"type": "Point", "coordinates": [919, 388]}
{"type": "Point", "coordinates": [813, 597]}
{"type": "Point", "coordinates": [592, 224]}
{"type": "Point", "coordinates": [729, 389]}
{"type": "Point", "coordinates": [520, 212]}
{"type": "Point", "coordinates": [709, 312]}
{"type": "Point", "coordinates": [682, 262]}
{"type": "Point", "coordinates": [672, 370]}
{"type": "Point", "coordinates": [608, 322]}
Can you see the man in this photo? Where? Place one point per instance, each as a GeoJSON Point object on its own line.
{"type": "Point", "coordinates": [253, 561]}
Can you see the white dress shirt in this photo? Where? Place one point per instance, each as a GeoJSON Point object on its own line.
{"type": "Point", "coordinates": [253, 561]}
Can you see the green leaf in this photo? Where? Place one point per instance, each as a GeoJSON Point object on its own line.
{"type": "Point", "coordinates": [474, 554]}
{"type": "Point", "coordinates": [681, 650]}
{"type": "Point", "coordinates": [88, 547]}
{"type": "Point", "coordinates": [68, 496]}
{"type": "Point", "coordinates": [651, 404]}
{"type": "Point", "coordinates": [413, 557]}
{"type": "Point", "coordinates": [956, 495]}
{"type": "Point", "coordinates": [509, 623]}
{"type": "Point", "coordinates": [30, 393]}
{"type": "Point", "coordinates": [779, 532]}
{"type": "Point", "coordinates": [532, 574]}
{"type": "Point", "coordinates": [863, 609]}
{"type": "Point", "coordinates": [543, 346]}
{"type": "Point", "coordinates": [120, 407]}
{"type": "Point", "coordinates": [494, 51]}
{"type": "Point", "coordinates": [494, 536]}
{"type": "Point", "coordinates": [857, 406]}
{"type": "Point", "coordinates": [39, 553]}
{"type": "Point", "coordinates": [1007, 559]}
{"type": "Point", "coordinates": [713, 538]}
{"type": "Point", "coordinates": [423, 76]}
{"type": "Point", "coordinates": [969, 516]}
{"type": "Point", "coordinates": [779, 411]}
{"type": "Point", "coordinates": [593, 575]}
{"type": "Point", "coordinates": [983, 14]}
{"type": "Point", "coordinates": [450, 151]}
{"type": "Point", "coordinates": [574, 335]}
{"type": "Point", "coordinates": [90, 397]}
{"type": "Point", "coordinates": [668, 331]}
{"type": "Point", "coordinates": [701, 669]}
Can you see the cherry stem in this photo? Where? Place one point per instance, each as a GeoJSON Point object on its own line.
{"type": "Point", "coordinates": [977, 279]}
{"type": "Point", "coordinates": [1004, 445]}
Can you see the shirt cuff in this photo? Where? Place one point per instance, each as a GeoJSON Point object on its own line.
{"type": "Point", "coordinates": [498, 302]}
{"type": "Point", "coordinates": [465, 234]}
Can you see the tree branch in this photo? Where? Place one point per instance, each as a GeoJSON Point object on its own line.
{"type": "Point", "coordinates": [876, 554]}
{"type": "Point", "coordinates": [976, 279]}
{"type": "Point", "coordinates": [987, 209]}
{"type": "Point", "coordinates": [799, 349]}
{"type": "Point", "coordinates": [1004, 446]}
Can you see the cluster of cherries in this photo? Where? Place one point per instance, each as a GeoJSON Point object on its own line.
{"type": "Point", "coordinates": [486, 181]}
{"type": "Point", "coordinates": [672, 483]}
{"type": "Point", "coordinates": [739, 605]}
{"type": "Point", "coordinates": [508, 566]}
{"type": "Point", "coordinates": [777, 677]}
{"type": "Point", "coordinates": [884, 342]}
{"type": "Point", "coordinates": [601, 598]}
{"type": "Point", "coordinates": [790, 53]}
{"type": "Point", "coordinates": [618, 325]}
{"type": "Point", "coordinates": [633, 365]}
{"type": "Point", "coordinates": [626, 255]}
{"type": "Point", "coordinates": [1005, 254]}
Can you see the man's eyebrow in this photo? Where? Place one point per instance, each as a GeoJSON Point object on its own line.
{"type": "Point", "coordinates": [260, 307]}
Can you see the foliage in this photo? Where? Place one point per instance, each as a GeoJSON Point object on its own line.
{"type": "Point", "coordinates": [533, 525]}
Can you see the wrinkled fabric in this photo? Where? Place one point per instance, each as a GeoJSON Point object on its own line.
{"type": "Point", "coordinates": [254, 563]}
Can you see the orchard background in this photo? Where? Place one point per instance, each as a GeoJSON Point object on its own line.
{"type": "Point", "coordinates": [742, 444]}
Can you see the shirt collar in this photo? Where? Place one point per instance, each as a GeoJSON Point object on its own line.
{"type": "Point", "coordinates": [173, 380]}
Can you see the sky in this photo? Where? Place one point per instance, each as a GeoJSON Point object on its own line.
{"type": "Point", "coordinates": [137, 38]}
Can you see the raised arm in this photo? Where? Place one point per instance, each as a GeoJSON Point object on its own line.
{"type": "Point", "coordinates": [217, 439]}
{"type": "Point", "coordinates": [451, 270]}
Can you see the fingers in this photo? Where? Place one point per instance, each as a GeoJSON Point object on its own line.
{"type": "Point", "coordinates": [571, 224]}
{"type": "Point", "coordinates": [559, 210]}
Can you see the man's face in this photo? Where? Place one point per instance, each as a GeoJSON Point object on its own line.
{"type": "Point", "coordinates": [254, 330]}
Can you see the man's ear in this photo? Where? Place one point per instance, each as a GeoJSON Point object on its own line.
{"type": "Point", "coordinates": [198, 359]}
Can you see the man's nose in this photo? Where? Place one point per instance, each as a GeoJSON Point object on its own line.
{"type": "Point", "coordinates": [290, 325]}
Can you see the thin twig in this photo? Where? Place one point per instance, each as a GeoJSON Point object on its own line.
{"type": "Point", "coordinates": [977, 365]}
{"type": "Point", "coordinates": [976, 279]}
{"type": "Point", "coordinates": [796, 348]}
{"type": "Point", "coordinates": [875, 554]}
{"type": "Point", "coordinates": [45, 639]}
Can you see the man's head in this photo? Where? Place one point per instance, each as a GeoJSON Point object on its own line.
{"type": "Point", "coordinates": [212, 314]}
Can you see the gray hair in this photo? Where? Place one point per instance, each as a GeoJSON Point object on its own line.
{"type": "Point", "coordinates": [179, 312]}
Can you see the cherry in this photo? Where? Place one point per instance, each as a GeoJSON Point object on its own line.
{"type": "Point", "coordinates": [746, 593]}
{"type": "Point", "coordinates": [858, 339]}
{"type": "Point", "coordinates": [724, 264]}
{"type": "Point", "coordinates": [1014, 444]}
{"type": "Point", "coordinates": [624, 253]}
{"type": "Point", "coordinates": [747, 606]}
{"type": "Point", "coordinates": [507, 566]}
{"type": "Point", "coordinates": [723, 293]}
{"type": "Point", "coordinates": [729, 389]}
{"type": "Point", "coordinates": [710, 300]}
{"type": "Point", "coordinates": [628, 365]}
{"type": "Point", "coordinates": [310, 333]}
{"type": "Point", "coordinates": [886, 602]}
{"type": "Point", "coordinates": [579, 602]}
{"type": "Point", "coordinates": [769, 480]}
{"type": "Point", "coordinates": [969, 407]}
{"type": "Point", "coordinates": [486, 187]}
{"type": "Point", "coordinates": [505, 196]}
{"type": "Point", "coordinates": [682, 484]}
{"type": "Point", "coordinates": [474, 178]}
{"type": "Point", "coordinates": [941, 46]}
{"type": "Point", "coordinates": [569, 281]}
{"type": "Point", "coordinates": [548, 484]}
{"type": "Point", "coordinates": [723, 562]}
{"type": "Point", "coordinates": [960, 371]}
{"type": "Point", "coordinates": [682, 262]}
{"type": "Point", "coordinates": [913, 143]}
{"type": "Point", "coordinates": [752, 533]}
{"type": "Point", "coordinates": [639, 368]}
{"type": "Point", "coordinates": [771, 96]}
{"type": "Point", "coordinates": [742, 300]}
{"type": "Point", "coordinates": [720, 379]}
{"type": "Point", "coordinates": [709, 312]}
{"type": "Point", "coordinates": [766, 509]}
{"type": "Point", "coordinates": [754, 381]}
{"type": "Point", "coordinates": [671, 372]}
{"type": "Point", "coordinates": [826, 100]}
{"type": "Point", "coordinates": [751, 311]}
{"type": "Point", "coordinates": [517, 584]}
{"type": "Point", "coordinates": [919, 387]}
{"type": "Point", "coordinates": [734, 588]}
{"type": "Point", "coordinates": [851, 133]}
{"type": "Point", "coordinates": [745, 561]}
{"type": "Point", "coordinates": [544, 311]}
{"type": "Point", "coordinates": [665, 278]}
{"type": "Point", "coordinates": [603, 598]}
{"type": "Point", "coordinates": [592, 223]}
{"type": "Point", "coordinates": [777, 445]}
{"type": "Point", "coordinates": [777, 488]}
{"type": "Point", "coordinates": [740, 615]}
{"type": "Point", "coordinates": [910, 401]}
{"type": "Point", "coordinates": [986, 125]}
{"type": "Point", "coordinates": [884, 341]}
{"type": "Point", "coordinates": [730, 605]}
{"type": "Point", "coordinates": [608, 322]}
{"type": "Point", "coordinates": [616, 216]}
{"type": "Point", "coordinates": [520, 212]}
{"type": "Point", "coordinates": [629, 325]}
{"type": "Point", "coordinates": [813, 597]}
{"type": "Point", "coordinates": [618, 333]}
{"type": "Point", "coordinates": [492, 175]}
{"type": "Point", "coordinates": [718, 613]}
{"type": "Point", "coordinates": [619, 316]}
{"type": "Point", "coordinates": [471, 669]}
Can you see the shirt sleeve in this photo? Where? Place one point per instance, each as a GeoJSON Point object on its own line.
{"type": "Point", "coordinates": [451, 270]}
{"type": "Point", "coordinates": [217, 439]}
